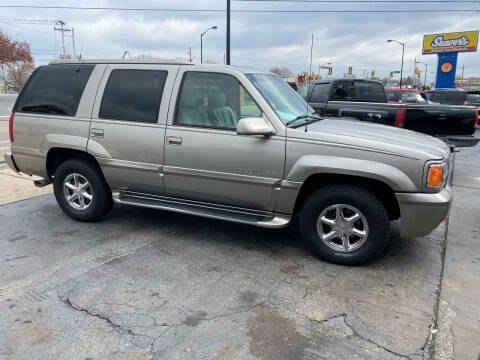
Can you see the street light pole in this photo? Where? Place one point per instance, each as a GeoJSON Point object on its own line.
{"type": "Point", "coordinates": [403, 53]}
{"type": "Point", "coordinates": [201, 41]}
{"type": "Point", "coordinates": [425, 77]}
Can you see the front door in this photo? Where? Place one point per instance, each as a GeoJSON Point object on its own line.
{"type": "Point", "coordinates": [205, 159]}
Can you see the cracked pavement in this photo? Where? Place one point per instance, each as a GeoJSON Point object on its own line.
{"type": "Point", "coordinates": [145, 284]}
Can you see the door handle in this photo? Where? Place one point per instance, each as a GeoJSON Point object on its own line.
{"type": "Point", "coordinates": [442, 117]}
{"type": "Point", "coordinates": [96, 132]}
{"type": "Point", "coordinates": [172, 140]}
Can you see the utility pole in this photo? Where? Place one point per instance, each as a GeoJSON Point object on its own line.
{"type": "Point", "coordinates": [463, 69]}
{"type": "Point", "coordinates": [62, 30]}
{"type": "Point", "coordinates": [311, 54]}
{"type": "Point", "coordinates": [228, 32]}
{"type": "Point", "coordinates": [190, 53]}
{"type": "Point", "coordinates": [73, 45]}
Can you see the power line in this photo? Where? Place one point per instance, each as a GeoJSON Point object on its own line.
{"type": "Point", "coordinates": [367, 1]}
{"type": "Point", "coordinates": [236, 11]}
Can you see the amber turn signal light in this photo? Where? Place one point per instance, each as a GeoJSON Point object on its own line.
{"type": "Point", "coordinates": [435, 176]}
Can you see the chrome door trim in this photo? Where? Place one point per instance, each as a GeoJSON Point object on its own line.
{"type": "Point", "coordinates": [221, 176]}
{"type": "Point", "coordinates": [130, 164]}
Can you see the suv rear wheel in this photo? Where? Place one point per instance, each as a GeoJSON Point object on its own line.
{"type": "Point", "coordinates": [81, 191]}
{"type": "Point", "coordinates": [345, 224]}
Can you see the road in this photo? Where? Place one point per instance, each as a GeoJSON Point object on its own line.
{"type": "Point", "coordinates": [145, 284]}
{"type": "Point", "coordinates": [6, 104]}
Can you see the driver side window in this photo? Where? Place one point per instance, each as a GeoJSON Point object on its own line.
{"type": "Point", "coordinates": [213, 100]}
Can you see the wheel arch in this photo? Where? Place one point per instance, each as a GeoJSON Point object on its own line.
{"type": "Point", "coordinates": [58, 155]}
{"type": "Point", "coordinates": [383, 191]}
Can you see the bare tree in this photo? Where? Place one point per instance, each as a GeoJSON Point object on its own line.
{"type": "Point", "coordinates": [18, 73]}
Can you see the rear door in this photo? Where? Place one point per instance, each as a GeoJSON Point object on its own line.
{"type": "Point", "coordinates": [128, 125]}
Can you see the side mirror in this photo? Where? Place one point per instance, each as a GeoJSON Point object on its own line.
{"type": "Point", "coordinates": [254, 126]}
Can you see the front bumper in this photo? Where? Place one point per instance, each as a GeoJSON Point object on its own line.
{"type": "Point", "coordinates": [10, 162]}
{"type": "Point", "coordinates": [421, 213]}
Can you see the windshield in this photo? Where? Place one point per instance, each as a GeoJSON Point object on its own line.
{"type": "Point", "coordinates": [285, 101]}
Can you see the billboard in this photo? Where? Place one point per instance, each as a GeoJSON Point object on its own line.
{"type": "Point", "coordinates": [450, 42]}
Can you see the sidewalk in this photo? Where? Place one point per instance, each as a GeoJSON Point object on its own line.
{"type": "Point", "coordinates": [458, 320]}
{"type": "Point", "coordinates": [14, 187]}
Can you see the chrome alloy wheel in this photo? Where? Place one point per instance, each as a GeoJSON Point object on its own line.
{"type": "Point", "coordinates": [342, 227]}
{"type": "Point", "coordinates": [77, 191]}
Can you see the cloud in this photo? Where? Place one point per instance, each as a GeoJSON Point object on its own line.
{"type": "Point", "coordinates": [263, 40]}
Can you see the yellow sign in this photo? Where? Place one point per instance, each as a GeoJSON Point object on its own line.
{"type": "Point", "coordinates": [450, 42]}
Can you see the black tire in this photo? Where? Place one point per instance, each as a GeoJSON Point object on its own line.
{"type": "Point", "coordinates": [101, 202]}
{"type": "Point", "coordinates": [370, 206]}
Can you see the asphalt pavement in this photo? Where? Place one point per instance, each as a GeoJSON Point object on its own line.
{"type": "Point", "coordinates": [146, 284]}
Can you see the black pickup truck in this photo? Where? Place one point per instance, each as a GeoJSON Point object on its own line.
{"type": "Point", "coordinates": [366, 101]}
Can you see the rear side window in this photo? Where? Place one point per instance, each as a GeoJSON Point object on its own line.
{"type": "Point", "coordinates": [54, 90]}
{"type": "Point", "coordinates": [320, 93]}
{"type": "Point", "coordinates": [370, 92]}
{"type": "Point", "coordinates": [133, 95]}
{"type": "Point", "coordinates": [448, 97]}
{"type": "Point", "coordinates": [359, 91]}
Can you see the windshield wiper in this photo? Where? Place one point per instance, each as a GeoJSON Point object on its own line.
{"type": "Point", "coordinates": [307, 117]}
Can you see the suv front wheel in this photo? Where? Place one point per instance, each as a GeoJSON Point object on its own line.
{"type": "Point", "coordinates": [81, 191]}
{"type": "Point", "coordinates": [345, 224]}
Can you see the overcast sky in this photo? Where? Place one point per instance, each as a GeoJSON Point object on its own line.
{"type": "Point", "coordinates": [261, 40]}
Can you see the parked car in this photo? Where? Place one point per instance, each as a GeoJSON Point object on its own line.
{"type": "Point", "coordinates": [228, 144]}
{"type": "Point", "coordinates": [366, 101]}
{"type": "Point", "coordinates": [455, 96]}
{"type": "Point", "coordinates": [409, 96]}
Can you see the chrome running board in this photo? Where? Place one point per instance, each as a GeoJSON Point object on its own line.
{"type": "Point", "coordinates": [243, 216]}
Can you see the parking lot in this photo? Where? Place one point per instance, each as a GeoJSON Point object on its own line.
{"type": "Point", "coordinates": [146, 284]}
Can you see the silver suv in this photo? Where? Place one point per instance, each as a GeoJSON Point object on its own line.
{"type": "Point", "coordinates": [224, 143]}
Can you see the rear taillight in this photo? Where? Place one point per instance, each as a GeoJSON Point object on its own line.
{"type": "Point", "coordinates": [10, 126]}
{"type": "Point", "coordinates": [400, 117]}
{"type": "Point", "coordinates": [476, 119]}
{"type": "Point", "coordinates": [465, 103]}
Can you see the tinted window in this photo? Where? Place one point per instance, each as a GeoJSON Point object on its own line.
{"type": "Point", "coordinates": [213, 100]}
{"type": "Point", "coordinates": [370, 92]}
{"type": "Point", "coordinates": [448, 97]}
{"type": "Point", "coordinates": [133, 95]}
{"type": "Point", "coordinates": [319, 93]}
{"type": "Point", "coordinates": [358, 91]}
{"type": "Point", "coordinates": [54, 89]}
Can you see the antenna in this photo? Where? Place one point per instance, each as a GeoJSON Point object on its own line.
{"type": "Point", "coordinates": [309, 83]}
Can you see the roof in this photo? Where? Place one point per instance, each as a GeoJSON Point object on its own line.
{"type": "Point", "coordinates": [122, 61]}
{"type": "Point", "coordinates": [243, 69]}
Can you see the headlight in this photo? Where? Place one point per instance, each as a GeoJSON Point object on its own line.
{"type": "Point", "coordinates": [436, 175]}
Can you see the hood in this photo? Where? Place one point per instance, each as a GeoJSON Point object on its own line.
{"type": "Point", "coordinates": [376, 137]}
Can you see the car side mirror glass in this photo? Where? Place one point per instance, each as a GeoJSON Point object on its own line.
{"type": "Point", "coordinates": [254, 126]}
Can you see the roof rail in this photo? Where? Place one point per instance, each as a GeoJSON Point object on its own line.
{"type": "Point", "coordinates": [121, 61]}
